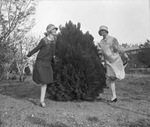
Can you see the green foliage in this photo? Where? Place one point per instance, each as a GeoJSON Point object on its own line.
{"type": "Point", "coordinates": [143, 55]}
{"type": "Point", "coordinates": [79, 73]}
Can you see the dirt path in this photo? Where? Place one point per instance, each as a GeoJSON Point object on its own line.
{"type": "Point", "coordinates": [19, 107]}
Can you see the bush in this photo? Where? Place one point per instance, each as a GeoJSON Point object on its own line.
{"type": "Point", "coordinates": [78, 74]}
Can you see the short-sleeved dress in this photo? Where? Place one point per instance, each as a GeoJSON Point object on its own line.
{"type": "Point", "coordinates": [114, 64]}
{"type": "Point", "coordinates": [42, 71]}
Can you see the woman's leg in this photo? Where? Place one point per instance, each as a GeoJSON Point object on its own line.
{"type": "Point", "coordinates": [113, 89]}
{"type": "Point", "coordinates": [43, 92]}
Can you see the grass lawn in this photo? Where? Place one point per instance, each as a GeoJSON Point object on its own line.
{"type": "Point", "coordinates": [19, 106]}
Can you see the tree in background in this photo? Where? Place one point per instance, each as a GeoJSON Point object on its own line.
{"type": "Point", "coordinates": [21, 62]}
{"type": "Point", "coordinates": [16, 19]}
{"type": "Point", "coordinates": [79, 73]}
{"type": "Point", "coordinates": [144, 53]}
{"type": "Point", "coordinates": [125, 45]}
{"type": "Point", "coordinates": [28, 43]}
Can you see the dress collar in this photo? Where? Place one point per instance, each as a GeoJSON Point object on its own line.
{"type": "Point", "coordinates": [107, 36]}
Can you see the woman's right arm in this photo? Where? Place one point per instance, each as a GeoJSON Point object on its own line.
{"type": "Point", "coordinates": [101, 55]}
{"type": "Point", "coordinates": [38, 47]}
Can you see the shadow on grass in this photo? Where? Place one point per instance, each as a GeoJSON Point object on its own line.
{"type": "Point", "coordinates": [122, 108]}
{"type": "Point", "coordinates": [21, 90]}
{"type": "Point", "coordinates": [41, 122]}
{"type": "Point", "coordinates": [139, 123]}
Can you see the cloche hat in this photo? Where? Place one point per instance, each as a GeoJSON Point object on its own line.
{"type": "Point", "coordinates": [103, 28]}
{"type": "Point", "coordinates": [50, 27]}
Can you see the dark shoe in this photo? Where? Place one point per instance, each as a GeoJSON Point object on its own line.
{"type": "Point", "coordinates": [42, 104]}
{"type": "Point", "coordinates": [114, 100]}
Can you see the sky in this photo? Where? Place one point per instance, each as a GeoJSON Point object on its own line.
{"type": "Point", "coordinates": [127, 20]}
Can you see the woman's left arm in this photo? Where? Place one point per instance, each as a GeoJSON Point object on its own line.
{"type": "Point", "coordinates": [118, 48]}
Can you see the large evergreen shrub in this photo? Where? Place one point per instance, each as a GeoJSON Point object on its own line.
{"type": "Point", "coordinates": [79, 73]}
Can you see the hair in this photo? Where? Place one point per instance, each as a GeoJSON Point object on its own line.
{"type": "Point", "coordinates": [46, 34]}
{"type": "Point", "coordinates": [104, 30]}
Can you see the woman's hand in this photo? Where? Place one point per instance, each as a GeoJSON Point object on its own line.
{"type": "Point", "coordinates": [54, 60]}
{"type": "Point", "coordinates": [128, 59]}
{"type": "Point", "coordinates": [28, 55]}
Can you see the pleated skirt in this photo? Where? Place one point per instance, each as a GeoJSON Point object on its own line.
{"type": "Point", "coordinates": [42, 72]}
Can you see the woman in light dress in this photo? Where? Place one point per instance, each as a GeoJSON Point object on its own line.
{"type": "Point", "coordinates": [111, 51]}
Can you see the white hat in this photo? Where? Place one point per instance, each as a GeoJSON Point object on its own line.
{"type": "Point", "coordinates": [103, 28]}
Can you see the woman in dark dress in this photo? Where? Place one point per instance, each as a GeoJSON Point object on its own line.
{"type": "Point", "coordinates": [42, 72]}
